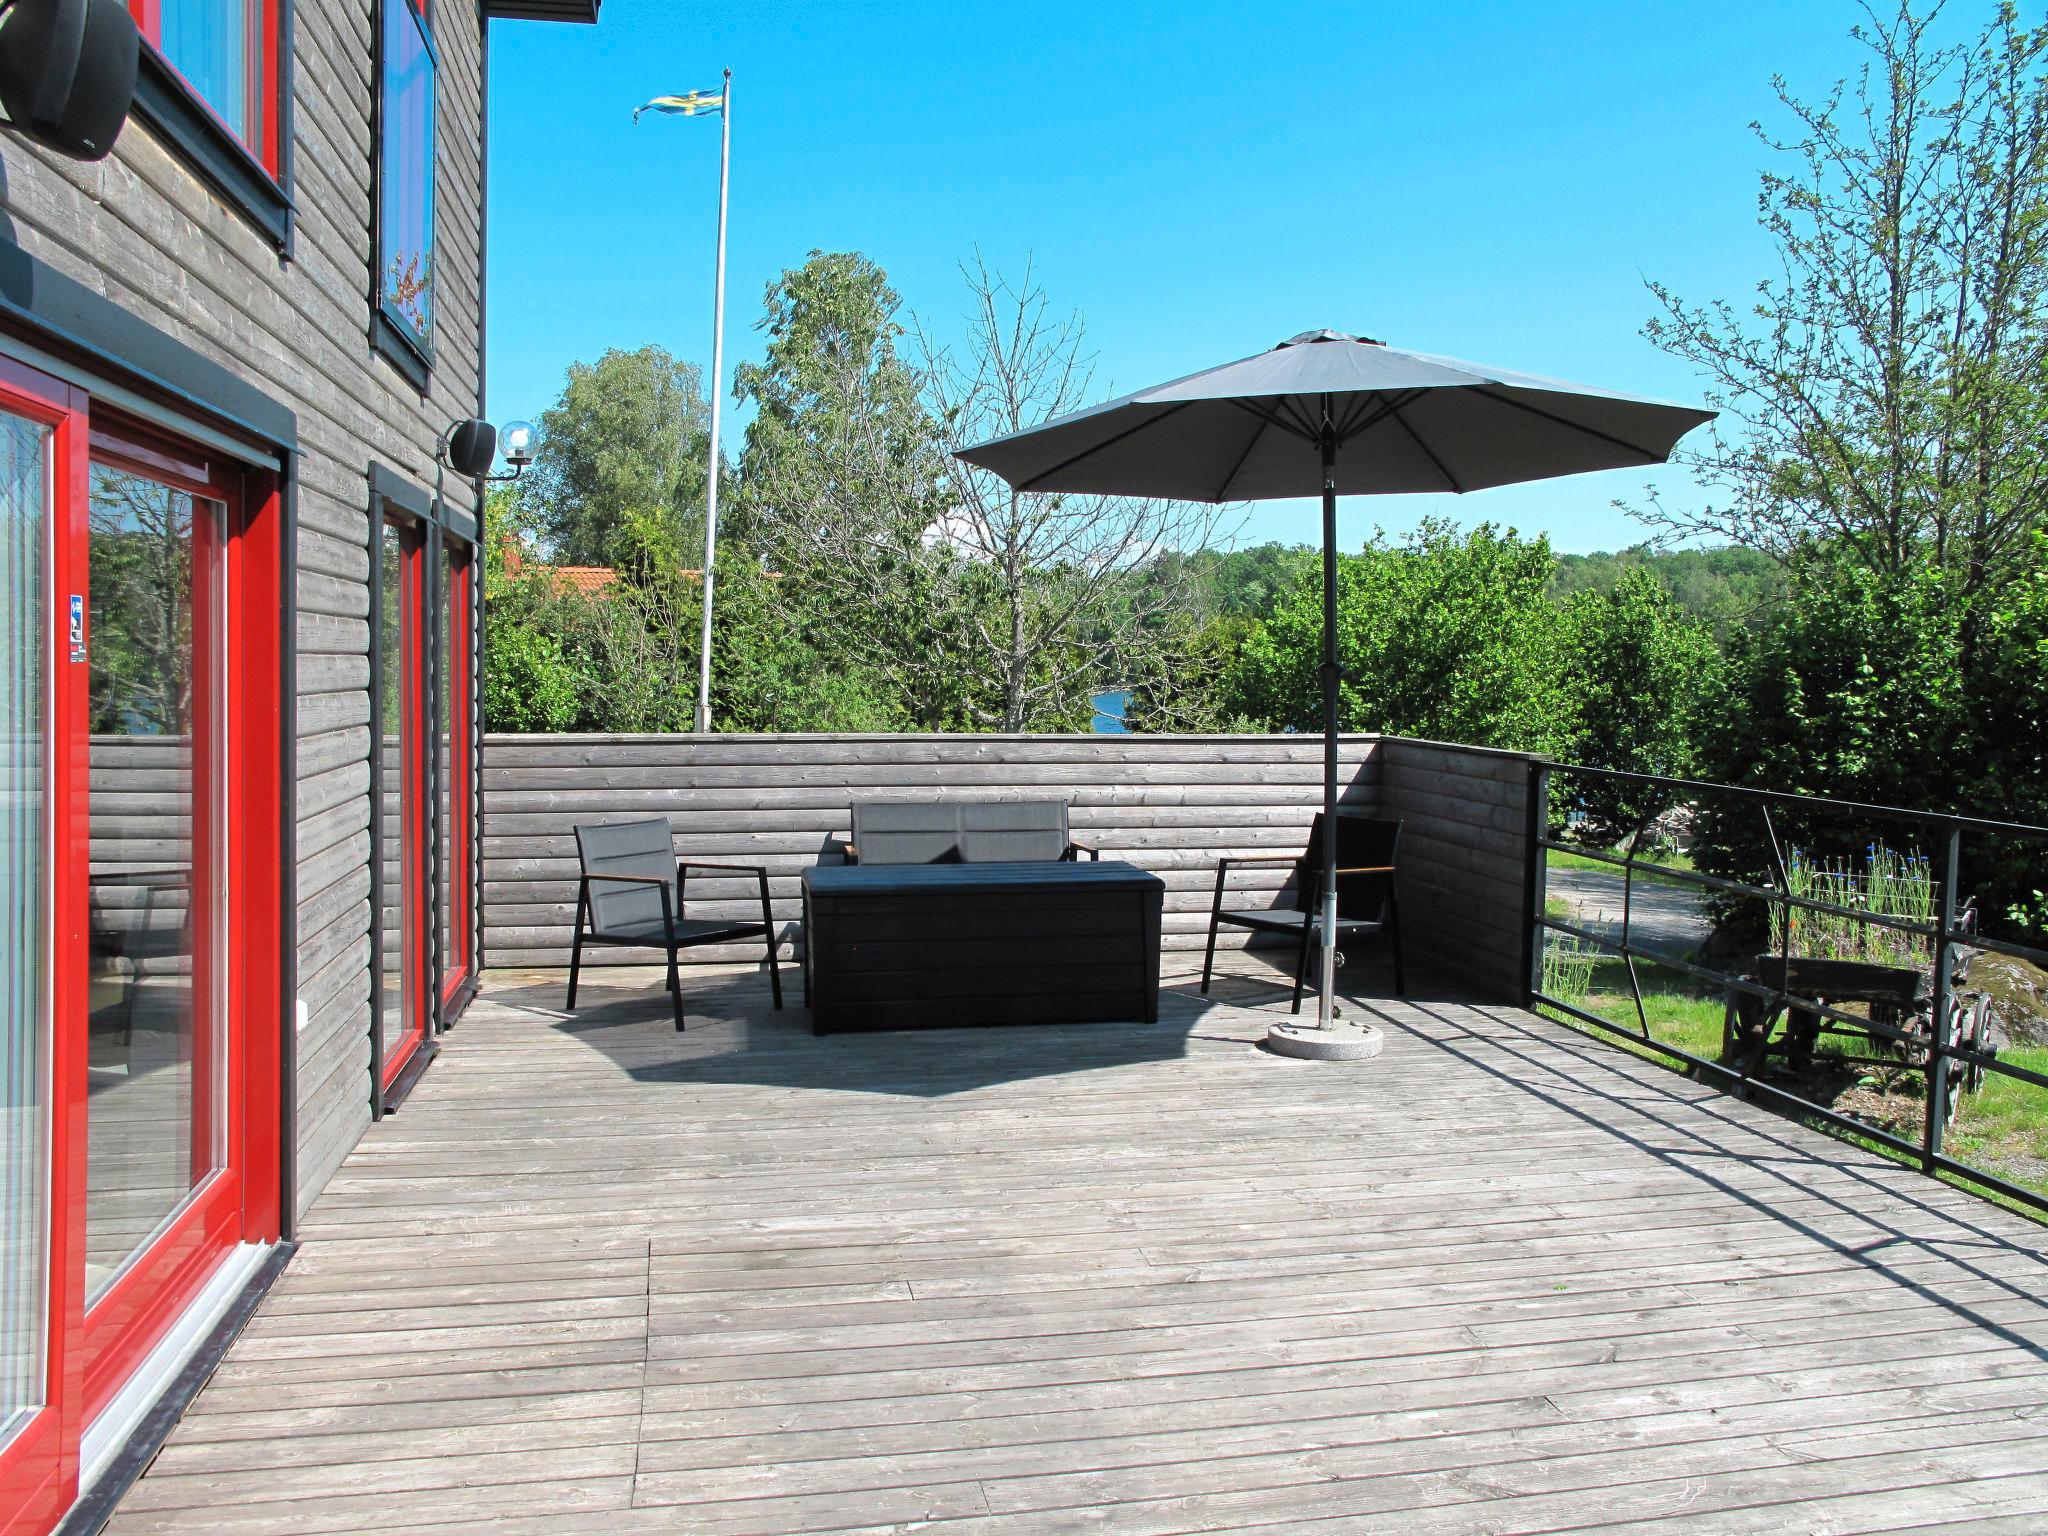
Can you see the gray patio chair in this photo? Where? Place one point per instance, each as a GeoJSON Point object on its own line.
{"type": "Point", "coordinates": [624, 898]}
{"type": "Point", "coordinates": [1366, 854]}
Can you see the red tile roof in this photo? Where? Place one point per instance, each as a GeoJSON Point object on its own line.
{"type": "Point", "coordinates": [590, 580]}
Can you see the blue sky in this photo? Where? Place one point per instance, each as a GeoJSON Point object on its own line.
{"type": "Point", "coordinates": [1492, 181]}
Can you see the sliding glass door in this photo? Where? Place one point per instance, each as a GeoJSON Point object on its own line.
{"type": "Point", "coordinates": [158, 1013]}
{"type": "Point", "coordinates": [161, 1201]}
{"type": "Point", "coordinates": [142, 802]}
{"type": "Point", "coordinates": [24, 1197]}
{"type": "Point", "coordinates": [24, 939]}
{"type": "Point", "coordinates": [424, 679]}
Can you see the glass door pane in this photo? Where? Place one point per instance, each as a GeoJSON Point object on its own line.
{"type": "Point", "coordinates": [24, 1010]}
{"type": "Point", "coordinates": [156, 1129]}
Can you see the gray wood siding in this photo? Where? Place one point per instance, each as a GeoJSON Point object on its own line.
{"type": "Point", "coordinates": [1169, 804]}
{"type": "Point", "coordinates": [144, 230]}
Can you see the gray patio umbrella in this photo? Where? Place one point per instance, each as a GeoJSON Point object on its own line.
{"type": "Point", "coordinates": [1340, 415]}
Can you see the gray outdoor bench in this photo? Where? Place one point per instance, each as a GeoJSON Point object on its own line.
{"type": "Point", "coordinates": [962, 832]}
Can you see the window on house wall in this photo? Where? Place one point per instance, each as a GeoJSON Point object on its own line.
{"type": "Point", "coordinates": [226, 51]}
{"type": "Point", "coordinates": [405, 168]}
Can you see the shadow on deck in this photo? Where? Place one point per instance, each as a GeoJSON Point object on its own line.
{"type": "Point", "coordinates": [600, 1277]}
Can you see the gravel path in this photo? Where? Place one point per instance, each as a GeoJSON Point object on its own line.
{"type": "Point", "coordinates": [1669, 919]}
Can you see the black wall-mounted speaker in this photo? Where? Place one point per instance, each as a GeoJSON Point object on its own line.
{"type": "Point", "coordinates": [67, 72]}
{"type": "Point", "coordinates": [471, 447]}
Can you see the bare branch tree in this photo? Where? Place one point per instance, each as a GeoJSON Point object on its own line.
{"type": "Point", "coordinates": [1053, 593]}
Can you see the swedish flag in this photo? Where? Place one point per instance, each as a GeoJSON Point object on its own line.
{"type": "Point", "coordinates": [695, 104]}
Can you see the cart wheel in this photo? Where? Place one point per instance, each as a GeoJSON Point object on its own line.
{"type": "Point", "coordinates": [1982, 1036]}
{"type": "Point", "coordinates": [1916, 1029]}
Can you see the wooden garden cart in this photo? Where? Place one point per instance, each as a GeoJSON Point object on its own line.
{"type": "Point", "coordinates": [1897, 998]}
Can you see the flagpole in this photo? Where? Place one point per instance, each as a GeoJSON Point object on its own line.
{"type": "Point", "coordinates": [717, 395]}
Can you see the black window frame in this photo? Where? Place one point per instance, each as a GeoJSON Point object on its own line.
{"type": "Point", "coordinates": [392, 339]}
{"type": "Point", "coordinates": [192, 130]}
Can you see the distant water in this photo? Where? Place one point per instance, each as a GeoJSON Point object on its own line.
{"type": "Point", "coordinates": [1110, 708]}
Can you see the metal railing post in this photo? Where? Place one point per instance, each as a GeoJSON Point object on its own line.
{"type": "Point", "coordinates": [1944, 979]}
{"type": "Point", "coordinates": [1536, 827]}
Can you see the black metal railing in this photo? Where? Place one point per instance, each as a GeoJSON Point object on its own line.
{"type": "Point", "coordinates": [1931, 1040]}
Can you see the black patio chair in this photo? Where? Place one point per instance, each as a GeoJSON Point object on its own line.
{"type": "Point", "coordinates": [152, 922]}
{"type": "Point", "coordinates": [1366, 853]}
{"type": "Point", "coordinates": [624, 899]}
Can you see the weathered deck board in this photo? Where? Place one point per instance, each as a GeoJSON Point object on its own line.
{"type": "Point", "coordinates": [598, 1277]}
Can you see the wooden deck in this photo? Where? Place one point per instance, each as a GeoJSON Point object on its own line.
{"type": "Point", "coordinates": [596, 1277]}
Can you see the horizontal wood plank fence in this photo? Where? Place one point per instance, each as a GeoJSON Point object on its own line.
{"type": "Point", "coordinates": [1464, 859]}
{"type": "Point", "coordinates": [1169, 804]}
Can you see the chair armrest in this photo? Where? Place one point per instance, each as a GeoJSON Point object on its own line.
{"type": "Point", "coordinates": [1074, 848]}
{"type": "Point", "coordinates": [742, 869]}
{"type": "Point", "coordinates": [1259, 858]}
{"type": "Point", "coordinates": [1369, 869]}
{"type": "Point", "coordinates": [847, 850]}
{"type": "Point", "coordinates": [654, 880]}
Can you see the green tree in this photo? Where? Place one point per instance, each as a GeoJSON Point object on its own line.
{"type": "Point", "coordinates": [1178, 692]}
{"type": "Point", "coordinates": [841, 480]}
{"type": "Point", "coordinates": [1444, 635]}
{"type": "Point", "coordinates": [530, 682]}
{"type": "Point", "coordinates": [1722, 588]}
{"type": "Point", "coordinates": [771, 667]}
{"type": "Point", "coordinates": [2006, 761]}
{"type": "Point", "coordinates": [1634, 670]}
{"type": "Point", "coordinates": [1855, 693]}
{"type": "Point", "coordinates": [620, 468]}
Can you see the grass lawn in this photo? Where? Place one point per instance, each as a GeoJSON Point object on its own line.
{"type": "Point", "coordinates": [2003, 1126]}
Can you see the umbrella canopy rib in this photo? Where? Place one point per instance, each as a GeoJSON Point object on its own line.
{"type": "Point", "coordinates": [1649, 455]}
{"type": "Point", "coordinates": [1250, 447]}
{"type": "Point", "coordinates": [1367, 418]}
{"type": "Point", "coordinates": [1272, 416]}
{"type": "Point", "coordinates": [1356, 412]}
{"type": "Point", "coordinates": [1108, 442]}
{"type": "Point", "coordinates": [1428, 452]}
{"type": "Point", "coordinates": [1296, 410]}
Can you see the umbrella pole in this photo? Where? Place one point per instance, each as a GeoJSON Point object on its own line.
{"type": "Point", "coordinates": [1326, 990]}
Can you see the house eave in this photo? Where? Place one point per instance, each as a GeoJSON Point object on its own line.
{"type": "Point", "coordinates": [542, 10]}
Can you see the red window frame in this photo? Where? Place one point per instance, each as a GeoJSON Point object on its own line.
{"type": "Point", "coordinates": [416, 934]}
{"type": "Point", "coordinates": [39, 1463]}
{"type": "Point", "coordinates": [457, 702]}
{"type": "Point", "coordinates": [264, 104]}
{"type": "Point", "coordinates": [91, 1353]}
